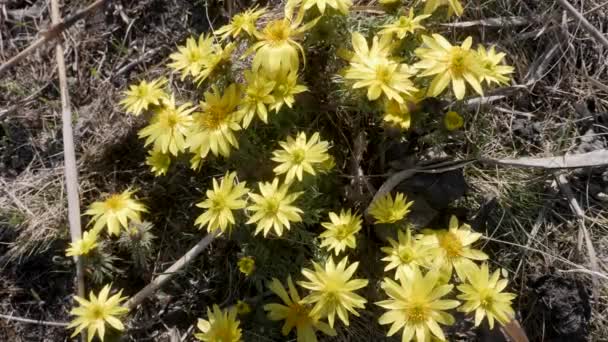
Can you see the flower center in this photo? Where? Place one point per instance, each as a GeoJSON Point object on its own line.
{"type": "Point", "coordinates": [383, 73]}
{"type": "Point", "coordinates": [417, 314]}
{"type": "Point", "coordinates": [272, 206]}
{"type": "Point", "coordinates": [405, 255]}
{"type": "Point", "coordinates": [342, 231]}
{"type": "Point", "coordinates": [277, 32]}
{"type": "Point", "coordinates": [97, 313]}
{"type": "Point", "coordinates": [451, 244]}
{"type": "Point", "coordinates": [458, 59]}
{"type": "Point", "coordinates": [218, 202]}
{"type": "Point", "coordinates": [213, 118]}
{"type": "Point", "coordinates": [298, 155]}
{"type": "Point", "coordinates": [114, 203]}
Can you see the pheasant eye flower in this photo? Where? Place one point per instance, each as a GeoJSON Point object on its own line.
{"type": "Point", "coordinates": [189, 58]}
{"type": "Point", "coordinates": [406, 254]}
{"type": "Point", "coordinates": [299, 155]}
{"type": "Point", "coordinates": [219, 56]}
{"type": "Point", "coordinates": [115, 212]}
{"type": "Point", "coordinates": [458, 64]}
{"type": "Point", "coordinates": [341, 6]}
{"type": "Point", "coordinates": [246, 265]}
{"type": "Point", "coordinates": [214, 126]}
{"type": "Point", "coordinates": [494, 69]}
{"type": "Point", "coordinates": [294, 313]}
{"type": "Point", "coordinates": [454, 6]}
{"type": "Point", "coordinates": [220, 326]}
{"type": "Point", "coordinates": [415, 305]}
{"type": "Point", "coordinates": [387, 210]}
{"type": "Point", "coordinates": [341, 231]}
{"type": "Point", "coordinates": [94, 313]}
{"type": "Point", "coordinates": [453, 121]}
{"type": "Point", "coordinates": [332, 290]}
{"type": "Point", "coordinates": [168, 127]}
{"type": "Point", "coordinates": [221, 201]}
{"type": "Point", "coordinates": [484, 295]}
{"type": "Point", "coordinates": [258, 95]}
{"type": "Point", "coordinates": [159, 162]}
{"type": "Point", "coordinates": [242, 307]}
{"type": "Point", "coordinates": [405, 25]}
{"type": "Point", "coordinates": [241, 22]}
{"type": "Point", "coordinates": [285, 89]}
{"type": "Point", "coordinates": [454, 247]}
{"type": "Point", "coordinates": [398, 114]}
{"type": "Point", "coordinates": [87, 243]}
{"type": "Point", "coordinates": [277, 48]}
{"type": "Point", "coordinates": [273, 209]}
{"type": "Point", "coordinates": [139, 97]}
{"type": "Point", "coordinates": [380, 49]}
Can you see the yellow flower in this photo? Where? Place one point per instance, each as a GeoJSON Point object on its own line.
{"type": "Point", "coordinates": [222, 326]}
{"type": "Point", "coordinates": [115, 212]}
{"type": "Point", "coordinates": [458, 64]}
{"type": "Point", "coordinates": [246, 265]}
{"type": "Point", "coordinates": [453, 121]}
{"type": "Point", "coordinates": [168, 128]}
{"type": "Point", "coordinates": [94, 313]}
{"type": "Point", "coordinates": [139, 97]}
{"type": "Point", "coordinates": [415, 305]}
{"type": "Point", "coordinates": [381, 49]}
{"type": "Point", "coordinates": [340, 231]}
{"type": "Point", "coordinates": [242, 22]}
{"type": "Point", "coordinates": [214, 127]}
{"type": "Point", "coordinates": [454, 6]}
{"type": "Point", "coordinates": [406, 254]}
{"type": "Point", "coordinates": [221, 201]}
{"type": "Point", "coordinates": [379, 74]}
{"type": "Point", "coordinates": [387, 210]}
{"type": "Point", "coordinates": [405, 25]}
{"type": "Point", "coordinates": [218, 56]}
{"type": "Point", "coordinates": [331, 290]}
{"type": "Point", "coordinates": [299, 155]}
{"type": "Point", "coordinates": [294, 313]}
{"type": "Point", "coordinates": [285, 89]}
{"type": "Point", "coordinates": [483, 294]}
{"type": "Point", "coordinates": [398, 114]}
{"type": "Point", "coordinates": [258, 95]}
{"type": "Point", "coordinates": [341, 6]}
{"type": "Point", "coordinates": [87, 243]}
{"type": "Point", "coordinates": [277, 48]}
{"type": "Point", "coordinates": [494, 71]}
{"type": "Point", "coordinates": [273, 209]}
{"type": "Point", "coordinates": [159, 162]}
{"type": "Point", "coordinates": [189, 59]}
{"type": "Point", "coordinates": [455, 247]}
{"type": "Point", "coordinates": [242, 307]}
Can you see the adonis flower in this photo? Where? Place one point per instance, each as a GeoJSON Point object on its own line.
{"type": "Point", "coordinates": [454, 247]}
{"type": "Point", "coordinates": [220, 326]}
{"type": "Point", "coordinates": [115, 212]}
{"type": "Point", "coordinates": [217, 57]}
{"type": "Point", "coordinates": [332, 290]}
{"type": "Point", "coordinates": [272, 208]}
{"type": "Point", "coordinates": [405, 25]}
{"type": "Point", "coordinates": [447, 63]}
{"type": "Point", "coordinates": [94, 313]}
{"type": "Point", "coordinates": [159, 162]}
{"type": "Point", "coordinates": [258, 95]}
{"type": "Point", "coordinates": [494, 70]}
{"type": "Point", "coordinates": [139, 97]}
{"type": "Point", "coordinates": [295, 313]}
{"type": "Point", "coordinates": [87, 243]}
{"type": "Point", "coordinates": [189, 58]}
{"type": "Point", "coordinates": [341, 231]}
{"type": "Point", "coordinates": [406, 254]}
{"type": "Point", "coordinates": [242, 307]}
{"type": "Point", "coordinates": [169, 127]}
{"type": "Point", "coordinates": [454, 6]}
{"type": "Point", "coordinates": [387, 210]}
{"type": "Point", "coordinates": [483, 294]}
{"type": "Point", "coordinates": [341, 6]}
{"type": "Point", "coordinates": [221, 201]}
{"type": "Point", "coordinates": [398, 114]}
{"type": "Point", "coordinates": [415, 305]}
{"type": "Point", "coordinates": [299, 155]}
{"type": "Point", "coordinates": [214, 126]}
{"type": "Point", "coordinates": [285, 89]}
{"type": "Point", "coordinates": [453, 121]}
{"type": "Point", "coordinates": [244, 21]}
{"type": "Point", "coordinates": [246, 265]}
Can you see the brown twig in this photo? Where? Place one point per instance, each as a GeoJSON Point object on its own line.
{"type": "Point", "coordinates": [33, 321]}
{"type": "Point", "coordinates": [69, 153]}
{"type": "Point", "coordinates": [586, 24]}
{"type": "Point", "coordinates": [52, 33]}
{"type": "Point", "coordinates": [157, 282]}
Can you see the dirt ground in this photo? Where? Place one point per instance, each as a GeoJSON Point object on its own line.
{"type": "Point", "coordinates": [559, 106]}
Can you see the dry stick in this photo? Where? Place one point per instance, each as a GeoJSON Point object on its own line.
{"type": "Point", "coordinates": [52, 33]}
{"type": "Point", "coordinates": [33, 321]}
{"type": "Point", "coordinates": [71, 172]}
{"type": "Point", "coordinates": [170, 272]}
{"type": "Point", "coordinates": [586, 24]}
{"type": "Point", "coordinates": [564, 185]}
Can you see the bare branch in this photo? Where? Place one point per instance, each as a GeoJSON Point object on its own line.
{"type": "Point", "coordinates": [599, 36]}
{"type": "Point", "coordinates": [33, 321]}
